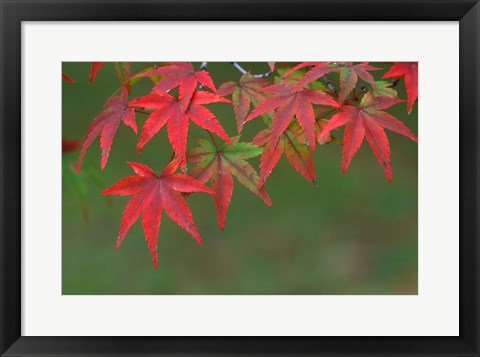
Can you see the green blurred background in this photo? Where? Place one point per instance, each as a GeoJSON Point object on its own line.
{"type": "Point", "coordinates": [351, 234]}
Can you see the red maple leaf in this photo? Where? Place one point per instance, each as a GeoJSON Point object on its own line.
{"type": "Point", "coordinates": [152, 194]}
{"type": "Point", "coordinates": [94, 69]}
{"type": "Point", "coordinates": [106, 125]}
{"type": "Point", "coordinates": [170, 111]}
{"type": "Point", "coordinates": [219, 165]}
{"type": "Point", "coordinates": [243, 93]}
{"type": "Point", "coordinates": [318, 70]}
{"type": "Point", "coordinates": [291, 103]}
{"type": "Point", "coordinates": [409, 72]}
{"type": "Point", "coordinates": [183, 76]}
{"type": "Point", "coordinates": [368, 120]}
{"type": "Point", "coordinates": [296, 153]}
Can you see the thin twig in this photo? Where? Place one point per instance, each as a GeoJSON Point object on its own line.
{"type": "Point", "coordinates": [330, 85]}
{"type": "Point", "coordinates": [394, 83]}
{"type": "Point", "coordinates": [243, 71]}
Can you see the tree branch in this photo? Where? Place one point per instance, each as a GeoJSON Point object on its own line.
{"type": "Point", "coordinates": [243, 71]}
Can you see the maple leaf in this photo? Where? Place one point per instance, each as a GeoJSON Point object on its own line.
{"type": "Point", "coordinates": [106, 125]}
{"type": "Point", "coordinates": [243, 93]}
{"type": "Point", "coordinates": [94, 69]}
{"type": "Point", "coordinates": [409, 72]}
{"type": "Point", "coordinates": [170, 111]}
{"type": "Point", "coordinates": [296, 153]}
{"type": "Point", "coordinates": [318, 70]}
{"type": "Point", "coordinates": [368, 120]}
{"type": "Point", "coordinates": [152, 194]}
{"type": "Point", "coordinates": [67, 78]}
{"type": "Point", "coordinates": [291, 103]}
{"type": "Point", "coordinates": [349, 77]}
{"type": "Point", "coordinates": [183, 76]}
{"type": "Point", "coordinates": [219, 165]}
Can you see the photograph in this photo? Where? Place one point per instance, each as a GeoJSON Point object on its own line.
{"type": "Point", "coordinates": [239, 178]}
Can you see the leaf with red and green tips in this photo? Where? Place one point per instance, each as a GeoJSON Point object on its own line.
{"type": "Point", "coordinates": [170, 111]}
{"type": "Point", "coordinates": [106, 124]}
{"type": "Point", "coordinates": [318, 70]}
{"type": "Point", "coordinates": [243, 93]}
{"type": "Point", "coordinates": [67, 78]}
{"type": "Point", "coordinates": [219, 165]}
{"type": "Point", "coordinates": [297, 154]}
{"type": "Point", "coordinates": [368, 120]}
{"type": "Point", "coordinates": [183, 76]}
{"type": "Point", "coordinates": [409, 72]}
{"type": "Point", "coordinates": [152, 194]}
{"type": "Point", "coordinates": [289, 103]}
{"type": "Point", "coordinates": [95, 67]}
{"type": "Point", "coordinates": [349, 78]}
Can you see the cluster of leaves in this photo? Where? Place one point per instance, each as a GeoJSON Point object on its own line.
{"type": "Point", "coordinates": [298, 103]}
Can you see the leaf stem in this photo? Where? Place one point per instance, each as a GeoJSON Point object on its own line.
{"type": "Point", "coordinates": [323, 115]}
{"type": "Point", "coordinates": [213, 139]}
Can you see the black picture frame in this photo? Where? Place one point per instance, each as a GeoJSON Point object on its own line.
{"type": "Point", "coordinates": [13, 12]}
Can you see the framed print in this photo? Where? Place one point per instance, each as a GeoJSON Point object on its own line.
{"type": "Point", "coordinates": [239, 178]}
